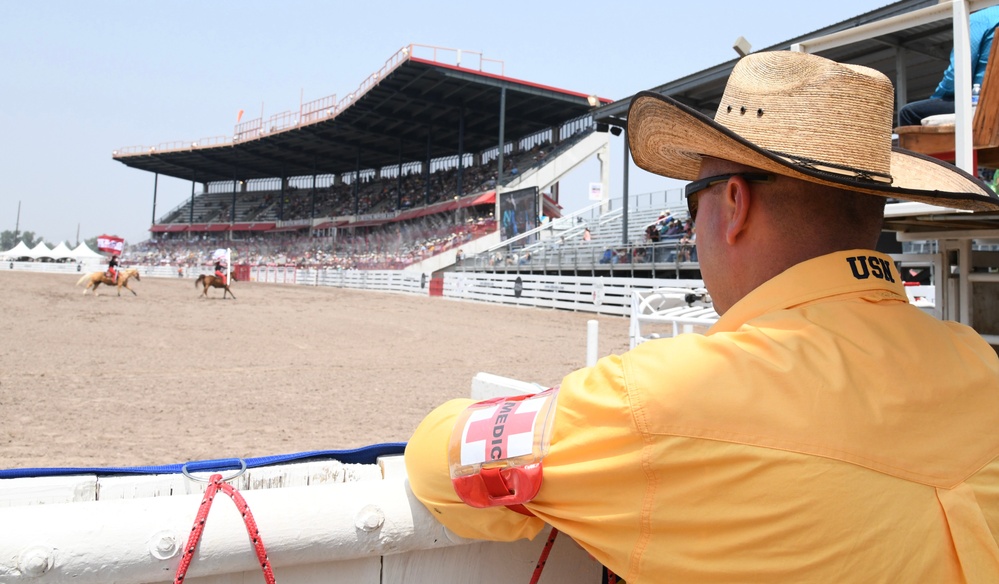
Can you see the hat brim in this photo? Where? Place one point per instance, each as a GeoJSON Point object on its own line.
{"type": "Point", "coordinates": [669, 139]}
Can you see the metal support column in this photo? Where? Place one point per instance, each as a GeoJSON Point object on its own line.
{"type": "Point", "coordinates": [963, 154]}
{"type": "Point", "coordinates": [190, 218]}
{"type": "Point", "coordinates": [499, 157]}
{"type": "Point", "coordinates": [963, 283]}
{"type": "Point", "coordinates": [624, 190]}
{"type": "Point", "coordinates": [156, 184]}
{"type": "Point", "coordinates": [284, 191]}
{"type": "Point", "coordinates": [901, 80]}
{"type": "Point", "coordinates": [461, 147]}
{"type": "Point", "coordinates": [605, 161]}
{"type": "Point", "coordinates": [312, 210]}
{"type": "Point", "coordinates": [357, 183]}
{"type": "Point", "coordinates": [232, 207]}
{"type": "Point", "coordinates": [426, 170]}
{"type": "Point", "coordinates": [398, 181]}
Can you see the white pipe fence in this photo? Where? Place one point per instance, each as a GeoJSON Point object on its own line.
{"type": "Point", "coordinates": [365, 528]}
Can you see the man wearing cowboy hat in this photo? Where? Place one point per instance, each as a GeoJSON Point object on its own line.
{"type": "Point", "coordinates": [824, 429]}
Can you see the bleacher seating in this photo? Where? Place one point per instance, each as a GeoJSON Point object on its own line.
{"type": "Point", "coordinates": [565, 248]}
{"type": "Point", "coordinates": [373, 196]}
{"type": "Point", "coordinates": [332, 201]}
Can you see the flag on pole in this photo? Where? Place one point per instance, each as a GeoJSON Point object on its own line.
{"type": "Point", "coordinates": [110, 244]}
{"type": "Point", "coordinates": [239, 116]}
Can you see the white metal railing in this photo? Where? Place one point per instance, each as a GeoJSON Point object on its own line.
{"type": "Point", "coordinates": [669, 312]}
{"type": "Point", "coordinates": [596, 294]}
{"type": "Point", "coordinates": [319, 525]}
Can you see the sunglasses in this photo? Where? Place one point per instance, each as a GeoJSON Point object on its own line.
{"type": "Point", "coordinates": [692, 189]}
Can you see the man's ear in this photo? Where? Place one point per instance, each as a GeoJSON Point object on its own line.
{"type": "Point", "coordinates": [737, 200]}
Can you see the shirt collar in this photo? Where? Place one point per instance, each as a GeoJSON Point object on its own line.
{"type": "Point", "coordinates": [857, 272]}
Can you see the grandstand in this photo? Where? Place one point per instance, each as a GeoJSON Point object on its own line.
{"type": "Point", "coordinates": [414, 162]}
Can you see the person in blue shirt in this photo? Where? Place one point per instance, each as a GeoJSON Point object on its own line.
{"type": "Point", "coordinates": [982, 25]}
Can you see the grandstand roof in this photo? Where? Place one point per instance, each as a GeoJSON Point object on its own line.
{"type": "Point", "coordinates": [927, 53]}
{"type": "Point", "coordinates": [389, 117]}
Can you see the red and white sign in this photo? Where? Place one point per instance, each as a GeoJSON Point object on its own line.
{"type": "Point", "coordinates": [497, 447]}
{"type": "Point", "coordinates": [596, 191]}
{"type": "Point", "coordinates": [501, 432]}
{"type": "Point", "coordinates": [110, 244]}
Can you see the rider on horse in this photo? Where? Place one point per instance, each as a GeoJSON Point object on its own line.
{"type": "Point", "coordinates": [112, 271]}
{"type": "Point", "coordinates": [220, 271]}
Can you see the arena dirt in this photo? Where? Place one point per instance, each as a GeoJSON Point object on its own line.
{"type": "Point", "coordinates": [167, 377]}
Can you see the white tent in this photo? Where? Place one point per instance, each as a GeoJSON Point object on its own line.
{"type": "Point", "coordinates": [40, 251]}
{"type": "Point", "coordinates": [83, 252]}
{"type": "Point", "coordinates": [62, 251]}
{"type": "Point", "coordinates": [18, 251]}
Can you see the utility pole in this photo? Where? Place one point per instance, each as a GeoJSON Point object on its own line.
{"type": "Point", "coordinates": [17, 223]}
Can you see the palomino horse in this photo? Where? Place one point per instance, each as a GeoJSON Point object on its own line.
{"type": "Point", "coordinates": [212, 281]}
{"type": "Point", "coordinates": [95, 279]}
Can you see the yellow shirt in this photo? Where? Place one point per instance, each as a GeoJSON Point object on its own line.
{"type": "Point", "coordinates": [824, 430]}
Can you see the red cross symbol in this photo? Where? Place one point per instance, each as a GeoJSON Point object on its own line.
{"type": "Point", "coordinates": [496, 431]}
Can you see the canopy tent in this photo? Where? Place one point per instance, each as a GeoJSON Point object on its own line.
{"type": "Point", "coordinates": [83, 252]}
{"type": "Point", "coordinates": [61, 252]}
{"type": "Point", "coordinates": [40, 251]}
{"type": "Point", "coordinates": [18, 251]}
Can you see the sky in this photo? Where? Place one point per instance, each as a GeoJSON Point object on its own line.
{"type": "Point", "coordinates": [80, 79]}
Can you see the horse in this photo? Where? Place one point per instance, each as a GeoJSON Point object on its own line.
{"type": "Point", "coordinates": [212, 281]}
{"type": "Point", "coordinates": [95, 279]}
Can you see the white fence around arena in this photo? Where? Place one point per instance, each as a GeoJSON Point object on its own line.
{"type": "Point", "coordinates": [609, 295]}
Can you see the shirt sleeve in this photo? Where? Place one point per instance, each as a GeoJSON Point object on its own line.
{"type": "Point", "coordinates": [982, 26]}
{"type": "Point", "coordinates": [945, 89]}
{"type": "Point", "coordinates": [430, 481]}
{"type": "Point", "coordinates": [593, 459]}
{"type": "Point", "coordinates": [982, 30]}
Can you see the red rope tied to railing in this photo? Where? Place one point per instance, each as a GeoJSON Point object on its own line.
{"type": "Point", "coordinates": [215, 483]}
{"type": "Point", "coordinates": [610, 577]}
{"type": "Point", "coordinates": [544, 557]}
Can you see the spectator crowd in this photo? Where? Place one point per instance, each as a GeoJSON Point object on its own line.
{"type": "Point", "coordinates": [392, 246]}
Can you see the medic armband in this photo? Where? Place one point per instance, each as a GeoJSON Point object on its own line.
{"type": "Point", "coordinates": [497, 447]}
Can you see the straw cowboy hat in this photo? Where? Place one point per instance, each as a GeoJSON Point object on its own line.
{"type": "Point", "coordinates": [802, 116]}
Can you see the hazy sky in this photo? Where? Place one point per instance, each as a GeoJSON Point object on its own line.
{"type": "Point", "coordinates": [79, 79]}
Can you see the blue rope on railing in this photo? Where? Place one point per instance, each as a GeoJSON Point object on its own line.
{"type": "Point", "coordinates": [363, 455]}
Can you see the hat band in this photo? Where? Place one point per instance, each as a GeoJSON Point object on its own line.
{"type": "Point", "coordinates": [835, 169]}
